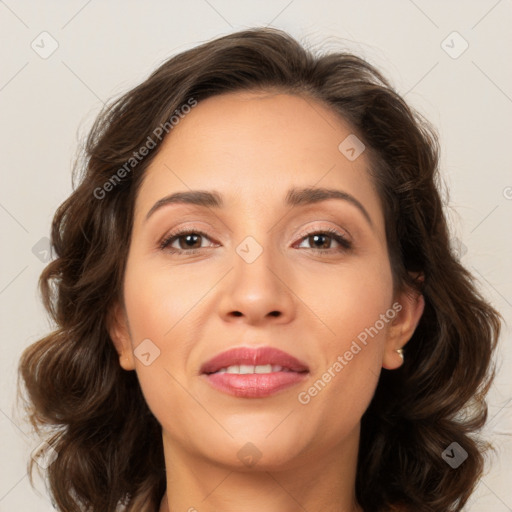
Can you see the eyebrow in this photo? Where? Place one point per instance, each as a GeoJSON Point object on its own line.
{"type": "Point", "coordinates": [294, 197]}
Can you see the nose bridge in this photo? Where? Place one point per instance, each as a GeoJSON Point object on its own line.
{"type": "Point", "coordinates": [256, 238]}
{"type": "Point", "coordinates": [256, 261]}
{"type": "Point", "coordinates": [256, 288]}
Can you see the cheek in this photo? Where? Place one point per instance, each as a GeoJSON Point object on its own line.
{"type": "Point", "coordinates": [162, 303]}
{"type": "Point", "coordinates": [358, 314]}
{"type": "Point", "coordinates": [351, 298]}
{"type": "Point", "coordinates": [162, 300]}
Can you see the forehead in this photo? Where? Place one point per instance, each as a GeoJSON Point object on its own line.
{"type": "Point", "coordinates": [253, 147]}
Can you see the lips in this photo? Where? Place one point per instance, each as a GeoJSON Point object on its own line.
{"type": "Point", "coordinates": [253, 373]}
{"type": "Point", "coordinates": [247, 356]}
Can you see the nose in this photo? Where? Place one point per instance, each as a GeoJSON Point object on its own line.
{"type": "Point", "coordinates": [259, 290]}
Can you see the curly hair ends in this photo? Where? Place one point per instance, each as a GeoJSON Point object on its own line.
{"type": "Point", "coordinates": [108, 442]}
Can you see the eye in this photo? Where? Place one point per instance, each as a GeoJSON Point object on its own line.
{"type": "Point", "coordinates": [191, 241]}
{"type": "Point", "coordinates": [319, 239]}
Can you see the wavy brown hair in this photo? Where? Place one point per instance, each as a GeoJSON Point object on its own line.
{"type": "Point", "coordinates": [108, 442]}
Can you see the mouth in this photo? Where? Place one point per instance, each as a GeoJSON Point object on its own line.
{"type": "Point", "coordinates": [253, 372]}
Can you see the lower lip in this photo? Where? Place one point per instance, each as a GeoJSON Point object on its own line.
{"type": "Point", "coordinates": [254, 385]}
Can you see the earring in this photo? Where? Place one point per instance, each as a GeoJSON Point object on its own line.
{"type": "Point", "coordinates": [400, 353]}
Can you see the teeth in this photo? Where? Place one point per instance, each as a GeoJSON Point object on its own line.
{"type": "Point", "coordinates": [244, 369]}
{"type": "Point", "coordinates": [262, 368]}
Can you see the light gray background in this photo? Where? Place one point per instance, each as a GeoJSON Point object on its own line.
{"type": "Point", "coordinates": [105, 48]}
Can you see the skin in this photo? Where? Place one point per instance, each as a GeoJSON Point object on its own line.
{"type": "Point", "coordinates": [251, 148]}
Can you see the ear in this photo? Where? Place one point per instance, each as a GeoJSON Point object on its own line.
{"type": "Point", "coordinates": [117, 326]}
{"type": "Point", "coordinates": [409, 306]}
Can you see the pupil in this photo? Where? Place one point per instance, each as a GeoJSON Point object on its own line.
{"type": "Point", "coordinates": [189, 238]}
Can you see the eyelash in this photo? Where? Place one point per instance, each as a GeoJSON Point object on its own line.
{"type": "Point", "coordinates": [333, 233]}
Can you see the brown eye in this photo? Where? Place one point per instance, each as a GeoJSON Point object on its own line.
{"type": "Point", "coordinates": [322, 240]}
{"type": "Point", "coordinates": [188, 242]}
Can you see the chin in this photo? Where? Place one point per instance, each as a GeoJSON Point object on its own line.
{"type": "Point", "coordinates": [259, 451]}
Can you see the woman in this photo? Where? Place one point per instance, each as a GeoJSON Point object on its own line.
{"type": "Point", "coordinates": [257, 305]}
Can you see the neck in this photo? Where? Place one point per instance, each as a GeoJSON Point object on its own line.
{"type": "Point", "coordinates": [323, 482]}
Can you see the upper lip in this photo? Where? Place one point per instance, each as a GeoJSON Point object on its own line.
{"type": "Point", "coordinates": [253, 356]}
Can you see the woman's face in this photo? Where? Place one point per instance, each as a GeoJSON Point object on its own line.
{"type": "Point", "coordinates": [274, 266]}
